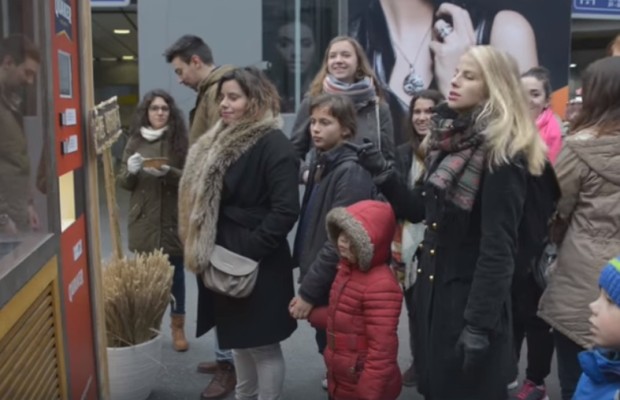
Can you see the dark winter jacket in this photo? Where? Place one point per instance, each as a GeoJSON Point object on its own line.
{"type": "Point", "coordinates": [239, 190]}
{"type": "Point", "coordinates": [372, 123]}
{"type": "Point", "coordinates": [342, 182]}
{"type": "Point", "coordinates": [364, 308]}
{"type": "Point", "coordinates": [153, 212]}
{"type": "Point", "coordinates": [404, 159]}
{"type": "Point", "coordinates": [464, 275]}
{"type": "Point", "coordinates": [600, 379]}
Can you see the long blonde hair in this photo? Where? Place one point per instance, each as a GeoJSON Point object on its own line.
{"type": "Point", "coordinates": [511, 129]}
{"type": "Point", "coordinates": [363, 67]}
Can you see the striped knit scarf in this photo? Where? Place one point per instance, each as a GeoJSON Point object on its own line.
{"type": "Point", "coordinates": [361, 92]}
{"type": "Point", "coordinates": [458, 175]}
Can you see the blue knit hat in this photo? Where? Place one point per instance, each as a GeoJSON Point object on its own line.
{"type": "Point", "coordinates": [610, 280]}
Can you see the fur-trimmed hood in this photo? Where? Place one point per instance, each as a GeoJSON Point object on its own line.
{"type": "Point", "coordinates": [370, 226]}
{"type": "Point", "coordinates": [200, 188]}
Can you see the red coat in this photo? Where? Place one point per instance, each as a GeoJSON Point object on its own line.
{"type": "Point", "coordinates": [364, 308]}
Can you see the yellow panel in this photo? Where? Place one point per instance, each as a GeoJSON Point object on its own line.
{"type": "Point", "coordinates": [31, 337]}
{"type": "Point", "coordinates": [66, 188]}
{"type": "Point", "coordinates": [13, 311]}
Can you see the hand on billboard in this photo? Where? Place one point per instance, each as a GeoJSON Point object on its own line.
{"type": "Point", "coordinates": [450, 42]}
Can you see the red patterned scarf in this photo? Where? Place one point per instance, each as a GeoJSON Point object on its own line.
{"type": "Point", "coordinates": [459, 173]}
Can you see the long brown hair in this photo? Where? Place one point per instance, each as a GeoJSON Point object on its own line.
{"type": "Point", "coordinates": [415, 138]}
{"type": "Point", "coordinates": [600, 110]}
{"type": "Point", "coordinates": [176, 133]}
{"type": "Point", "coordinates": [363, 67]}
{"type": "Point", "coordinates": [261, 93]}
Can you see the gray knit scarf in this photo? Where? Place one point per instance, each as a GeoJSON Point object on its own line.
{"type": "Point", "coordinates": [361, 92]}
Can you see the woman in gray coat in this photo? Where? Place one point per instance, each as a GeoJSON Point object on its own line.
{"type": "Point", "coordinates": [346, 71]}
{"type": "Point", "coordinates": [588, 171]}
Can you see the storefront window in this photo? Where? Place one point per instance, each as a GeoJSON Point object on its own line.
{"type": "Point", "coordinates": [295, 35]}
{"type": "Point", "coordinates": [24, 144]}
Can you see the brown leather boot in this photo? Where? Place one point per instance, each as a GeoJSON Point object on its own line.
{"type": "Point", "coordinates": [222, 384]}
{"type": "Point", "coordinates": [207, 367]}
{"type": "Point", "coordinates": [177, 323]}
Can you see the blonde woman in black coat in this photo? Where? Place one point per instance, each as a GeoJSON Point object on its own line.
{"type": "Point", "coordinates": [483, 148]}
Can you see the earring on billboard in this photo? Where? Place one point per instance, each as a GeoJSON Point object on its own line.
{"type": "Point", "coordinates": [413, 82]}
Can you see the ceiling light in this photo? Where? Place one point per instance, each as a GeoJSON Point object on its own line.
{"type": "Point", "coordinates": [107, 59]}
{"type": "Point", "coordinates": [573, 65]}
{"type": "Point", "coordinates": [122, 31]}
{"type": "Point", "coordinates": [128, 58]}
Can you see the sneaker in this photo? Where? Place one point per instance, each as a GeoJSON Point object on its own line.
{"type": "Point", "coordinates": [513, 385]}
{"type": "Point", "coordinates": [410, 378]}
{"type": "Point", "coordinates": [529, 391]}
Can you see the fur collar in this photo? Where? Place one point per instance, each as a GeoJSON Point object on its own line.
{"type": "Point", "coordinates": [201, 185]}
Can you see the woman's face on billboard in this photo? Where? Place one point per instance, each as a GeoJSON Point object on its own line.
{"type": "Point", "coordinates": [286, 46]}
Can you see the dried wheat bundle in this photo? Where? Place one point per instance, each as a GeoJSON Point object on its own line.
{"type": "Point", "coordinates": [136, 293]}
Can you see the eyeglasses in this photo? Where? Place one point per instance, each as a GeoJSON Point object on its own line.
{"type": "Point", "coordinates": [159, 108]}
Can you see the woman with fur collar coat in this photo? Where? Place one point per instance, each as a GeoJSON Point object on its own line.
{"type": "Point", "coordinates": [239, 191]}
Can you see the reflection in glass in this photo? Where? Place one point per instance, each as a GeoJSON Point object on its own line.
{"type": "Point", "coordinates": [20, 61]}
{"type": "Point", "coordinates": [315, 27]}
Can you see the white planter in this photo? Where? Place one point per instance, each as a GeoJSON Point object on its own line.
{"type": "Point", "coordinates": [133, 370]}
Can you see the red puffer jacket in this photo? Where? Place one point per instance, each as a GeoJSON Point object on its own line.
{"type": "Point", "coordinates": [364, 307]}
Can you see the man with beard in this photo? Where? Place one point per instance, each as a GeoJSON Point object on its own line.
{"type": "Point", "coordinates": [19, 63]}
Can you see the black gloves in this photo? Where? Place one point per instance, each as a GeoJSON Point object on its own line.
{"type": "Point", "coordinates": [369, 157]}
{"type": "Point", "coordinates": [473, 344]}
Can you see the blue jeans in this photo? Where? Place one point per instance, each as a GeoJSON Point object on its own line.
{"type": "Point", "coordinates": [177, 305]}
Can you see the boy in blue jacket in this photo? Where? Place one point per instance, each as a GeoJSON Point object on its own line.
{"type": "Point", "coordinates": [601, 365]}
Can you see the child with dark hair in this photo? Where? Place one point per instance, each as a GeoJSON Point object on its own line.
{"type": "Point", "coordinates": [601, 365]}
{"type": "Point", "coordinates": [335, 180]}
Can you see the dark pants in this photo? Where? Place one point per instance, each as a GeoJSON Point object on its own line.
{"type": "Point", "coordinates": [321, 339]}
{"type": "Point", "coordinates": [177, 305]}
{"type": "Point", "coordinates": [526, 325]}
{"type": "Point", "coordinates": [569, 369]}
{"type": "Point", "coordinates": [408, 295]}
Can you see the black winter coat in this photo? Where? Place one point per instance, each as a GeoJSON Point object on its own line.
{"type": "Point", "coordinates": [258, 207]}
{"type": "Point", "coordinates": [464, 277]}
{"type": "Point", "coordinates": [342, 182]}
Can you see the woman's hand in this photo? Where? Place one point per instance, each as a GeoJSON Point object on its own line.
{"type": "Point", "coordinates": [33, 217]}
{"type": "Point", "coordinates": [158, 173]}
{"type": "Point", "coordinates": [450, 42]}
{"type": "Point", "coordinates": [299, 308]}
{"type": "Point", "coordinates": [134, 163]}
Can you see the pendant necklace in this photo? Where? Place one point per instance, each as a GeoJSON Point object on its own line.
{"type": "Point", "coordinates": [413, 82]}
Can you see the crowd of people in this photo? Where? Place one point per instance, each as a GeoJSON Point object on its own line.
{"type": "Point", "coordinates": [454, 222]}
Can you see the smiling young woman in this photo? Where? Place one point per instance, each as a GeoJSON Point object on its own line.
{"type": "Point", "coordinates": [346, 71]}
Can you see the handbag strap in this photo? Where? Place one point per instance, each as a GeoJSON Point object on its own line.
{"type": "Point", "coordinates": [377, 100]}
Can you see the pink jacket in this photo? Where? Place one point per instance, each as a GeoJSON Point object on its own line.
{"type": "Point", "coordinates": [551, 133]}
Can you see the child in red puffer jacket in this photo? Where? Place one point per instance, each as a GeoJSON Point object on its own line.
{"type": "Point", "coordinates": [364, 306]}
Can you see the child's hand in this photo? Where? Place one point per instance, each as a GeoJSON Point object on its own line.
{"type": "Point", "coordinates": [299, 308]}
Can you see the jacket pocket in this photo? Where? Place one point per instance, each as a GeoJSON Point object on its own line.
{"type": "Point", "coordinates": [135, 212]}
